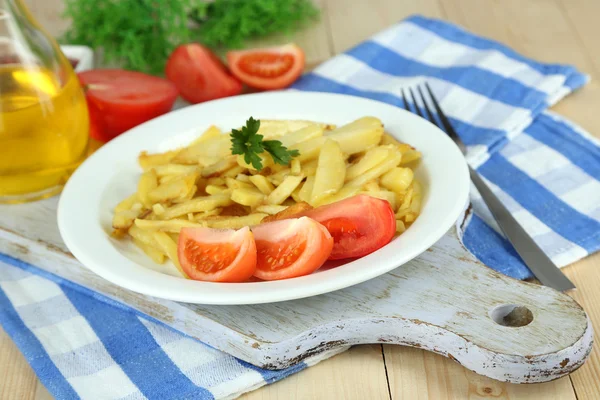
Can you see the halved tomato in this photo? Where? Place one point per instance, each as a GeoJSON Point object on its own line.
{"type": "Point", "coordinates": [119, 100]}
{"type": "Point", "coordinates": [290, 248]}
{"type": "Point", "coordinates": [199, 74]}
{"type": "Point", "coordinates": [359, 225]}
{"type": "Point", "coordinates": [268, 68]}
{"type": "Point", "coordinates": [217, 255]}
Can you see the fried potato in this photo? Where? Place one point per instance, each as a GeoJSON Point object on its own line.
{"type": "Point", "coordinates": [127, 203]}
{"type": "Point", "coordinates": [143, 236]}
{"type": "Point", "coordinates": [248, 196]}
{"type": "Point", "coordinates": [243, 178]}
{"type": "Point", "coordinates": [235, 184]}
{"type": "Point", "coordinates": [343, 193]}
{"type": "Point", "coordinates": [169, 247]}
{"type": "Point", "coordinates": [214, 189]}
{"type": "Point", "coordinates": [331, 172]}
{"type": "Point", "coordinates": [270, 209]}
{"type": "Point", "coordinates": [174, 169]}
{"type": "Point", "coordinates": [384, 195]}
{"type": "Point", "coordinates": [289, 212]}
{"type": "Point", "coordinates": [235, 171]}
{"type": "Point", "coordinates": [158, 209]}
{"type": "Point", "coordinates": [199, 204]}
{"type": "Point", "coordinates": [386, 138]}
{"type": "Point", "coordinates": [156, 255]}
{"type": "Point", "coordinates": [400, 226]}
{"type": "Point", "coordinates": [372, 186]}
{"type": "Point", "coordinates": [265, 158]}
{"type": "Point", "coordinates": [295, 167]}
{"type": "Point", "coordinates": [301, 135]}
{"type": "Point", "coordinates": [148, 161]}
{"type": "Point", "coordinates": [276, 129]}
{"type": "Point", "coordinates": [310, 168]}
{"type": "Point", "coordinates": [147, 183]}
{"type": "Point", "coordinates": [358, 135]}
{"type": "Point", "coordinates": [283, 191]}
{"type": "Point", "coordinates": [216, 181]}
{"type": "Point", "coordinates": [211, 133]}
{"type": "Point", "coordinates": [376, 172]}
{"type": "Point", "coordinates": [217, 147]}
{"type": "Point", "coordinates": [177, 191]}
{"type": "Point", "coordinates": [372, 157]}
{"type": "Point", "coordinates": [172, 225]}
{"type": "Point", "coordinates": [410, 156]}
{"type": "Point", "coordinates": [124, 219]}
{"type": "Point", "coordinates": [219, 167]}
{"type": "Point", "coordinates": [397, 179]}
{"type": "Point", "coordinates": [262, 184]}
{"type": "Point", "coordinates": [305, 192]}
{"type": "Point", "coordinates": [236, 222]}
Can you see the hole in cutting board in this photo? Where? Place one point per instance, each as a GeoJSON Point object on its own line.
{"type": "Point", "coordinates": [511, 315]}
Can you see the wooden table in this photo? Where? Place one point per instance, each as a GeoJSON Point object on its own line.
{"type": "Point", "coordinates": [564, 31]}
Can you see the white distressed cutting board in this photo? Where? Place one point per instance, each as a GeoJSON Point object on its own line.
{"type": "Point", "coordinates": [443, 301]}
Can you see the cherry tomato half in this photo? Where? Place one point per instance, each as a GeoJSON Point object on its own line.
{"type": "Point", "coordinates": [290, 248]}
{"type": "Point", "coordinates": [269, 68]}
{"type": "Point", "coordinates": [217, 255]}
{"type": "Point", "coordinates": [200, 75]}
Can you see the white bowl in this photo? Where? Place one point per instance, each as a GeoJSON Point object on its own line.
{"type": "Point", "coordinates": [111, 174]}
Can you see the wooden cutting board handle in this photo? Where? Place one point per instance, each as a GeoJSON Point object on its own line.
{"type": "Point", "coordinates": [444, 301]}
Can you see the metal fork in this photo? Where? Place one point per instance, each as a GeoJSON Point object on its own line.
{"type": "Point", "coordinates": [537, 261]}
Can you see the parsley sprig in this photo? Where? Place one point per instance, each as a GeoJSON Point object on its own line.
{"type": "Point", "coordinates": [248, 142]}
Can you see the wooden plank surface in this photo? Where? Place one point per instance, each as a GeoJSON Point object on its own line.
{"type": "Point", "coordinates": [550, 30]}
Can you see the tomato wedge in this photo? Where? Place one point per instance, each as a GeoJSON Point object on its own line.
{"type": "Point", "coordinates": [359, 225]}
{"type": "Point", "coordinates": [290, 248]}
{"type": "Point", "coordinates": [268, 68]}
{"type": "Point", "coordinates": [119, 100]}
{"type": "Point", "coordinates": [199, 74]}
{"type": "Point", "coordinates": [217, 255]}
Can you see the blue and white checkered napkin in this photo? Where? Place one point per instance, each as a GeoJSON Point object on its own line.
{"type": "Point", "coordinates": [544, 168]}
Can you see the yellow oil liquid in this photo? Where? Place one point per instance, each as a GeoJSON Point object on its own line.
{"type": "Point", "coordinates": [43, 132]}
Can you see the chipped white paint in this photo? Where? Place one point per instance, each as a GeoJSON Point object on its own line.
{"type": "Point", "coordinates": [440, 301]}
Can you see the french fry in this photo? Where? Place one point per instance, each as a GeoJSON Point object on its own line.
{"type": "Point", "coordinates": [158, 209]}
{"type": "Point", "coordinates": [156, 255]}
{"type": "Point", "coordinates": [176, 190]}
{"type": "Point", "coordinates": [219, 167]}
{"type": "Point", "coordinates": [214, 189]}
{"type": "Point", "coordinates": [397, 179]}
{"type": "Point", "coordinates": [384, 195]}
{"type": "Point", "coordinates": [289, 212]}
{"type": "Point", "coordinates": [207, 214]}
{"type": "Point", "coordinates": [172, 225]}
{"type": "Point", "coordinates": [205, 161]}
{"type": "Point", "coordinates": [271, 129]}
{"type": "Point", "coordinates": [124, 219]}
{"type": "Point", "coordinates": [242, 178]}
{"type": "Point", "coordinates": [169, 247]}
{"type": "Point", "coordinates": [248, 196]}
{"type": "Point", "coordinates": [377, 171]}
{"type": "Point", "coordinates": [127, 203]}
{"type": "Point", "coordinates": [235, 184]}
{"type": "Point", "coordinates": [235, 171]}
{"type": "Point", "coordinates": [372, 186]}
{"type": "Point", "coordinates": [199, 204]}
{"type": "Point", "coordinates": [400, 226]}
{"type": "Point", "coordinates": [148, 161]}
{"type": "Point", "coordinates": [218, 147]}
{"type": "Point", "coordinates": [211, 133]}
{"type": "Point", "coordinates": [236, 222]}
{"type": "Point", "coordinates": [372, 158]}
{"type": "Point", "coordinates": [331, 172]}
{"type": "Point", "coordinates": [143, 236]}
{"type": "Point", "coordinates": [386, 138]}
{"type": "Point", "coordinates": [358, 135]}
{"type": "Point", "coordinates": [301, 135]}
{"type": "Point", "coordinates": [310, 168]}
{"type": "Point", "coordinates": [309, 149]}
{"type": "Point", "coordinates": [410, 156]}
{"type": "Point", "coordinates": [406, 200]}
{"type": "Point", "coordinates": [307, 189]}
{"type": "Point", "coordinates": [283, 191]}
{"type": "Point", "coordinates": [147, 183]}
{"type": "Point", "coordinates": [343, 193]}
{"type": "Point", "coordinates": [216, 181]}
{"type": "Point", "coordinates": [270, 209]}
{"type": "Point", "coordinates": [295, 167]}
{"type": "Point", "coordinates": [262, 184]}
{"type": "Point", "coordinates": [265, 158]}
{"type": "Point", "coordinates": [174, 169]}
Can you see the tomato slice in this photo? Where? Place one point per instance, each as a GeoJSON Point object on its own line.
{"type": "Point", "coordinates": [200, 75]}
{"type": "Point", "coordinates": [119, 100]}
{"type": "Point", "coordinates": [268, 68]}
{"type": "Point", "coordinates": [290, 248]}
{"type": "Point", "coordinates": [359, 225]}
{"type": "Point", "coordinates": [217, 255]}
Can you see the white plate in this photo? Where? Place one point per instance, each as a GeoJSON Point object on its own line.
{"type": "Point", "coordinates": [111, 174]}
